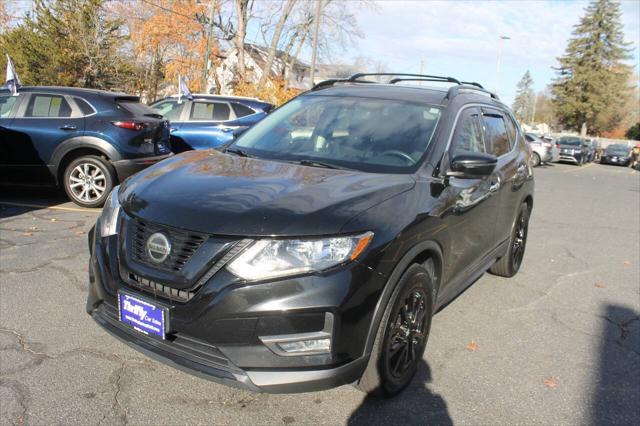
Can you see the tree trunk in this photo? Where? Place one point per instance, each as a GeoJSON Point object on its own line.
{"type": "Point", "coordinates": [271, 54]}
{"type": "Point", "coordinates": [241, 9]}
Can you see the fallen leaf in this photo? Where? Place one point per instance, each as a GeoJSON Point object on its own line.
{"type": "Point", "coordinates": [551, 382]}
{"type": "Point", "coordinates": [27, 234]}
{"type": "Point", "coordinates": [600, 285]}
{"type": "Point", "coordinates": [472, 346]}
{"type": "Point", "coordinates": [33, 228]}
{"type": "Point", "coordinates": [53, 220]}
{"type": "Point", "coordinates": [80, 233]}
{"type": "Point", "coordinates": [627, 263]}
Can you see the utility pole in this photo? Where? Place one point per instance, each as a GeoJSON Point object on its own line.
{"type": "Point", "coordinates": [207, 62]}
{"type": "Point", "coordinates": [500, 42]}
{"type": "Point", "coordinates": [316, 27]}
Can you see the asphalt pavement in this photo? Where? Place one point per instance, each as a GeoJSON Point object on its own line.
{"type": "Point", "coordinates": [557, 344]}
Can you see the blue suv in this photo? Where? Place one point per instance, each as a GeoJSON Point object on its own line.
{"type": "Point", "coordinates": [208, 121]}
{"type": "Point", "coordinates": [83, 140]}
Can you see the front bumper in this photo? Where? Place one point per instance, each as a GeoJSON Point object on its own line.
{"type": "Point", "coordinates": [216, 334]}
{"type": "Point", "coordinates": [571, 158]}
{"type": "Point", "coordinates": [126, 168]}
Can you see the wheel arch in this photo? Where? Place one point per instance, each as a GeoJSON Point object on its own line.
{"type": "Point", "coordinates": [77, 147]}
{"type": "Point", "coordinates": [419, 253]}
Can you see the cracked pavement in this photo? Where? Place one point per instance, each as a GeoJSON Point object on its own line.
{"type": "Point", "coordinates": [558, 343]}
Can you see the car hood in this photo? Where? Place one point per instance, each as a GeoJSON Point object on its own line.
{"type": "Point", "coordinates": [217, 193]}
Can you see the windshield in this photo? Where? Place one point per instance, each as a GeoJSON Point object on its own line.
{"type": "Point", "coordinates": [617, 149]}
{"type": "Point", "coordinates": [372, 135]}
{"type": "Point", "coordinates": [570, 141]}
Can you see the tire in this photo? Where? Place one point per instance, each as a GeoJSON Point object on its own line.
{"type": "Point", "coordinates": [535, 160]}
{"type": "Point", "coordinates": [509, 264]}
{"type": "Point", "coordinates": [393, 363]}
{"type": "Point", "coordinates": [93, 191]}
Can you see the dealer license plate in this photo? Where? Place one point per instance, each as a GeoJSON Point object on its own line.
{"type": "Point", "coordinates": [144, 316]}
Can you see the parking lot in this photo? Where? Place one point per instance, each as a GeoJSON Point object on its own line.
{"type": "Point", "coordinates": [559, 343]}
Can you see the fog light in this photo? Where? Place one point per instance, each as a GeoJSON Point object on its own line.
{"type": "Point", "coordinates": [314, 345]}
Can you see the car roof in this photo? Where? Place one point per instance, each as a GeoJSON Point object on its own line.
{"type": "Point", "coordinates": [223, 98]}
{"type": "Point", "coordinates": [78, 91]}
{"type": "Point", "coordinates": [412, 93]}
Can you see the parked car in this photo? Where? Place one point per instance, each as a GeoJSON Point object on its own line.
{"type": "Point", "coordinates": [84, 140]}
{"type": "Point", "coordinates": [312, 251]}
{"type": "Point", "coordinates": [542, 151]}
{"type": "Point", "coordinates": [573, 150]}
{"type": "Point", "coordinates": [618, 154]}
{"type": "Point", "coordinates": [208, 121]}
{"type": "Point", "coordinates": [592, 149]}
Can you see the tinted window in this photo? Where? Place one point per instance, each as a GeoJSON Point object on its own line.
{"type": "Point", "coordinates": [495, 133]}
{"type": "Point", "coordinates": [170, 109]}
{"type": "Point", "coordinates": [241, 110]}
{"type": "Point", "coordinates": [373, 135]}
{"type": "Point", "coordinates": [84, 106]}
{"type": "Point", "coordinates": [135, 107]}
{"type": "Point", "coordinates": [468, 135]}
{"type": "Point", "coordinates": [6, 103]}
{"type": "Point", "coordinates": [210, 111]}
{"type": "Point", "coordinates": [570, 141]}
{"type": "Point", "coordinates": [48, 106]}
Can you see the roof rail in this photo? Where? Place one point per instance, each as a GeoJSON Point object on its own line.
{"type": "Point", "coordinates": [473, 83]}
{"type": "Point", "coordinates": [460, 86]}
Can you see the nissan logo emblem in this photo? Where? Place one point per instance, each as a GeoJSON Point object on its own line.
{"type": "Point", "coordinates": [158, 247]}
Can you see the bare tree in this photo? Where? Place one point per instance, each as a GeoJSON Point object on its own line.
{"type": "Point", "coordinates": [275, 39]}
{"type": "Point", "coordinates": [242, 7]}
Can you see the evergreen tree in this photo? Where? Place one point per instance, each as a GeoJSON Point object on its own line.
{"type": "Point", "coordinates": [592, 83]}
{"type": "Point", "coordinates": [68, 43]}
{"type": "Point", "coordinates": [525, 98]}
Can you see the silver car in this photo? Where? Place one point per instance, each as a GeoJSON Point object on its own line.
{"type": "Point", "coordinates": [543, 151]}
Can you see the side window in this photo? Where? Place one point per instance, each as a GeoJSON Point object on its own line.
{"type": "Point", "coordinates": [511, 129]}
{"type": "Point", "coordinates": [42, 106]}
{"type": "Point", "coordinates": [242, 110]}
{"type": "Point", "coordinates": [468, 136]}
{"type": "Point", "coordinates": [495, 133]}
{"type": "Point", "coordinates": [84, 106]}
{"type": "Point", "coordinates": [210, 111]}
{"type": "Point", "coordinates": [6, 103]}
{"type": "Point", "coordinates": [169, 109]}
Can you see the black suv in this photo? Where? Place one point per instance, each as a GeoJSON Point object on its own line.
{"type": "Point", "coordinates": [83, 140]}
{"type": "Point", "coordinates": [313, 251]}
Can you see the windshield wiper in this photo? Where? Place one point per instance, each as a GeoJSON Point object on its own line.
{"type": "Point", "coordinates": [314, 163]}
{"type": "Point", "coordinates": [237, 151]}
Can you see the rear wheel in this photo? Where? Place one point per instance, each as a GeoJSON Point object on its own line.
{"type": "Point", "coordinates": [402, 335]}
{"type": "Point", "coordinates": [535, 160]}
{"type": "Point", "coordinates": [88, 181]}
{"type": "Point", "coordinates": [509, 264]}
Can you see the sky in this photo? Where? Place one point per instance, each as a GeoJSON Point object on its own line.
{"type": "Point", "coordinates": [460, 38]}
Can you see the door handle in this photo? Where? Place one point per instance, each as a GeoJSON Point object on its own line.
{"type": "Point", "coordinates": [68, 127]}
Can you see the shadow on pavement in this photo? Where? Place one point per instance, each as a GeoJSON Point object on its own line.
{"type": "Point", "coordinates": [16, 200]}
{"type": "Point", "coordinates": [415, 405]}
{"type": "Point", "coordinates": [616, 393]}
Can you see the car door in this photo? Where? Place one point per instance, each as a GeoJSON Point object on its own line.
{"type": "Point", "coordinates": [43, 121]}
{"type": "Point", "coordinates": [8, 106]}
{"type": "Point", "coordinates": [504, 139]}
{"type": "Point", "coordinates": [209, 124]}
{"type": "Point", "coordinates": [471, 205]}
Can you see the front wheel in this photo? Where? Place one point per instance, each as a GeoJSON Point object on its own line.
{"type": "Point", "coordinates": [535, 160]}
{"type": "Point", "coordinates": [88, 181]}
{"type": "Point", "coordinates": [509, 264]}
{"type": "Point", "coordinates": [402, 335]}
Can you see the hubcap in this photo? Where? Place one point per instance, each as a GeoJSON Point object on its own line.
{"type": "Point", "coordinates": [519, 240]}
{"type": "Point", "coordinates": [407, 334]}
{"type": "Point", "coordinates": [87, 182]}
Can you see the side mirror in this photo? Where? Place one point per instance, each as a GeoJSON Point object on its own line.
{"type": "Point", "coordinates": [472, 165]}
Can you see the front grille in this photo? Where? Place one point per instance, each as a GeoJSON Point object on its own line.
{"type": "Point", "coordinates": [158, 289]}
{"type": "Point", "coordinates": [183, 244]}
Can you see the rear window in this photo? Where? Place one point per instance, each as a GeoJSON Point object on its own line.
{"type": "Point", "coordinates": [135, 107]}
{"type": "Point", "coordinates": [84, 106]}
{"type": "Point", "coordinates": [48, 106]}
{"type": "Point", "coordinates": [241, 110]}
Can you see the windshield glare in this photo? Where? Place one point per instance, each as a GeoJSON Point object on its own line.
{"type": "Point", "coordinates": [570, 141]}
{"type": "Point", "coordinates": [617, 149]}
{"type": "Point", "coordinates": [373, 135]}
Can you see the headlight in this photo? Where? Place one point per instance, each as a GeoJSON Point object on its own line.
{"type": "Point", "coordinates": [108, 222]}
{"type": "Point", "coordinates": [275, 258]}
